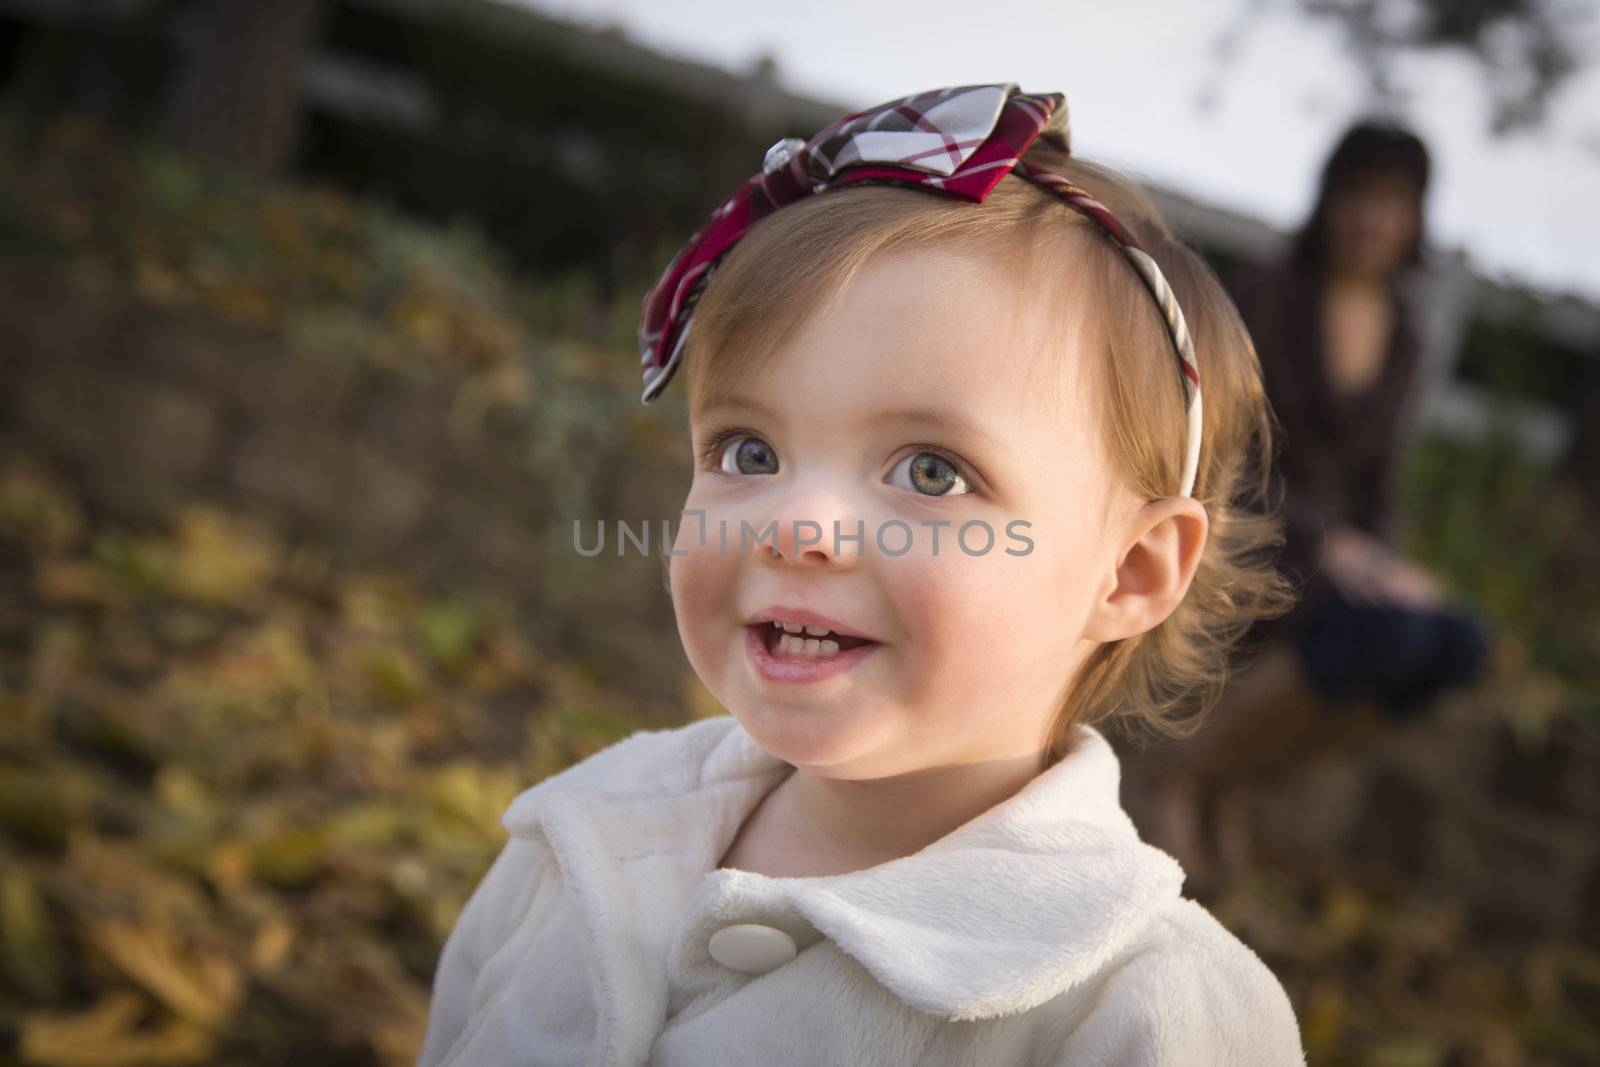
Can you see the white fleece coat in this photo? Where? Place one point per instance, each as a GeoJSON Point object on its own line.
{"type": "Point", "coordinates": [1040, 932]}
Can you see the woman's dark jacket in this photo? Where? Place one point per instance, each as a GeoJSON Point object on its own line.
{"type": "Point", "coordinates": [1337, 456]}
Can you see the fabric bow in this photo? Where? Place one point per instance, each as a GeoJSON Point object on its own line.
{"type": "Point", "coordinates": [959, 141]}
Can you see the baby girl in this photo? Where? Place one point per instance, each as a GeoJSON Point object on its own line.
{"type": "Point", "coordinates": [955, 501]}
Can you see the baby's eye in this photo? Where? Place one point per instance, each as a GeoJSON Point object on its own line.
{"type": "Point", "coordinates": [930, 474]}
{"type": "Point", "coordinates": [748, 455]}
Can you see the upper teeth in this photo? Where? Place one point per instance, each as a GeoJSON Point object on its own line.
{"type": "Point", "coordinates": [795, 628]}
{"type": "Point", "coordinates": [796, 639]}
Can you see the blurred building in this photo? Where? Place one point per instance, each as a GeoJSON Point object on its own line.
{"type": "Point", "coordinates": [576, 148]}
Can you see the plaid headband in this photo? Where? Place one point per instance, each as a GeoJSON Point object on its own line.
{"type": "Point", "coordinates": [957, 141]}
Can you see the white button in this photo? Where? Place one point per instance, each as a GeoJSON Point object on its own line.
{"type": "Point", "coordinates": [751, 948]}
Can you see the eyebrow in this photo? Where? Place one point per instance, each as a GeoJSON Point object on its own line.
{"type": "Point", "coordinates": [948, 420]}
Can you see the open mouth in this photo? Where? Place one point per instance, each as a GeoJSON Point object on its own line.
{"type": "Point", "coordinates": [794, 641]}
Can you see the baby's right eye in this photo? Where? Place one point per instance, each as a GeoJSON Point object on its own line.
{"type": "Point", "coordinates": [747, 455]}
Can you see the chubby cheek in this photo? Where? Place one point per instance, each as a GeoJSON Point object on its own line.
{"type": "Point", "coordinates": [703, 603]}
{"type": "Point", "coordinates": [990, 631]}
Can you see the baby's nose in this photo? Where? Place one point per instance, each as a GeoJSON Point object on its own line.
{"type": "Point", "coordinates": [819, 526]}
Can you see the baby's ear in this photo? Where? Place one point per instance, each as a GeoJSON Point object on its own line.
{"type": "Point", "coordinates": [1158, 553]}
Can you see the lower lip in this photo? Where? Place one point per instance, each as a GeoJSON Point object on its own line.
{"type": "Point", "coordinates": [812, 669]}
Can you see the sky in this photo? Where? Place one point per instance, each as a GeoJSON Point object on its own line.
{"type": "Point", "coordinates": [1525, 207]}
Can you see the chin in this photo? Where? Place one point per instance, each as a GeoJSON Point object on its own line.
{"type": "Point", "coordinates": [819, 738]}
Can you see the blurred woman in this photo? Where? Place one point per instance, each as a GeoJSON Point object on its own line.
{"type": "Point", "coordinates": [1374, 638]}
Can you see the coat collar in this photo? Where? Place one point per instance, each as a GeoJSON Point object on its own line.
{"type": "Point", "coordinates": [1014, 907]}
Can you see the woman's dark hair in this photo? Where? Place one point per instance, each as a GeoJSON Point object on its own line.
{"type": "Point", "coordinates": [1366, 148]}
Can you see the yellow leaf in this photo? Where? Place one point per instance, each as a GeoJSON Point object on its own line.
{"type": "Point", "coordinates": [181, 792]}
{"type": "Point", "coordinates": [394, 675]}
{"type": "Point", "coordinates": [378, 604]}
{"type": "Point", "coordinates": [203, 987]}
{"type": "Point", "coordinates": [467, 797]}
{"type": "Point", "coordinates": [367, 826]}
{"type": "Point", "coordinates": [217, 560]}
{"type": "Point", "coordinates": [28, 945]}
{"type": "Point", "coordinates": [230, 866]}
{"type": "Point", "coordinates": [271, 945]}
{"type": "Point", "coordinates": [107, 1036]}
{"type": "Point", "coordinates": [291, 857]}
{"type": "Point", "coordinates": [106, 876]}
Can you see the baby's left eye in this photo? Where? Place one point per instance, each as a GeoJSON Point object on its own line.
{"type": "Point", "coordinates": [930, 474]}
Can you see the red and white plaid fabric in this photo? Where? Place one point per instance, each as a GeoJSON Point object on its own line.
{"type": "Point", "coordinates": [957, 141]}
{"type": "Point", "coordinates": [960, 141]}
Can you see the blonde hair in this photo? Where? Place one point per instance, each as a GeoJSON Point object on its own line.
{"type": "Point", "coordinates": [800, 259]}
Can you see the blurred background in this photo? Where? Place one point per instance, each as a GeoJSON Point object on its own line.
{"type": "Point", "coordinates": [316, 333]}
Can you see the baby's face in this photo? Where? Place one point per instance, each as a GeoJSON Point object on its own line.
{"type": "Point", "coordinates": [930, 399]}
